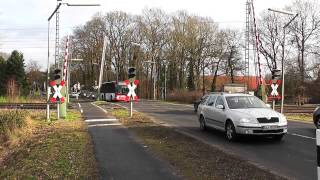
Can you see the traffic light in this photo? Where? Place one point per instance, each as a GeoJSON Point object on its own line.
{"type": "Point", "coordinates": [131, 73]}
{"type": "Point", "coordinates": [57, 74]}
{"type": "Point", "coordinates": [276, 74]}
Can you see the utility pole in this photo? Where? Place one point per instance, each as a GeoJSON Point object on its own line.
{"type": "Point", "coordinates": [101, 65]}
{"type": "Point", "coordinates": [57, 44]}
{"type": "Point", "coordinates": [282, 62]}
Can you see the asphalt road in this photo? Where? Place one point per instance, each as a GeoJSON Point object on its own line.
{"type": "Point", "coordinates": [294, 157]}
{"type": "Point", "coordinates": [119, 155]}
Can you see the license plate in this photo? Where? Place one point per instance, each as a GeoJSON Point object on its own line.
{"type": "Point", "coordinates": [269, 127]}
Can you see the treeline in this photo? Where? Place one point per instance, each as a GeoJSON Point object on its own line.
{"type": "Point", "coordinates": [181, 45]}
{"type": "Point", "coordinates": [12, 75]}
{"type": "Point", "coordinates": [186, 47]}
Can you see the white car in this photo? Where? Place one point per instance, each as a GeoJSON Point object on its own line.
{"type": "Point", "coordinates": [241, 114]}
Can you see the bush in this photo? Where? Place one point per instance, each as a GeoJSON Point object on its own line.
{"type": "Point", "coordinates": [184, 96]}
{"type": "Point", "coordinates": [10, 120]}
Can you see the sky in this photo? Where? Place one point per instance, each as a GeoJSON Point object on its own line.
{"type": "Point", "coordinates": [23, 23]}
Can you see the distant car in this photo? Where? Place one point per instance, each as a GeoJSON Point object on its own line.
{"type": "Point", "coordinates": [93, 95]}
{"type": "Point", "coordinates": [241, 114]}
{"type": "Point", "coordinates": [74, 95]}
{"type": "Point", "coordinates": [196, 103]}
{"type": "Point", "coordinates": [203, 98]}
{"type": "Point", "coordinates": [316, 117]}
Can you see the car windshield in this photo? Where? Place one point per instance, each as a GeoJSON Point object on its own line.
{"type": "Point", "coordinates": [243, 102]}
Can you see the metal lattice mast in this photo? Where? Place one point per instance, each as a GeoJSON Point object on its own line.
{"type": "Point", "coordinates": [56, 54]}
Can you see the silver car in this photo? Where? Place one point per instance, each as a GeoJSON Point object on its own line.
{"type": "Point", "coordinates": [241, 114]}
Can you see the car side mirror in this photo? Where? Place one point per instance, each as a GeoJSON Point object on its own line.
{"type": "Point", "coordinates": [220, 106]}
{"type": "Point", "coordinates": [268, 105]}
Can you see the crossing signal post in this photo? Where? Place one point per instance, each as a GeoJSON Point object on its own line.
{"type": "Point", "coordinates": [132, 77]}
{"type": "Point", "coordinates": [275, 83]}
{"type": "Point", "coordinates": [132, 74]}
{"type": "Point", "coordinates": [276, 74]}
{"type": "Point", "coordinates": [56, 85]}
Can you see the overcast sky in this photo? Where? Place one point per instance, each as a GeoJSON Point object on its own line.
{"type": "Point", "coordinates": [23, 23]}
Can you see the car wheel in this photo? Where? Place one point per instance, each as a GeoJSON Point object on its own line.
{"type": "Point", "coordinates": [203, 126]}
{"type": "Point", "coordinates": [230, 131]}
{"type": "Point", "coordinates": [318, 122]}
{"type": "Point", "coordinates": [278, 137]}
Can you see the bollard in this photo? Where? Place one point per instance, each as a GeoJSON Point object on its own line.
{"type": "Point", "coordinates": [318, 152]}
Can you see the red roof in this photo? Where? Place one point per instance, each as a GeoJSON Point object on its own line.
{"type": "Point", "coordinates": [251, 81]}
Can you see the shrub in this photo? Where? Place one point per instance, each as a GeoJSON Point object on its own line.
{"type": "Point", "coordinates": [184, 96]}
{"type": "Point", "coordinates": [11, 120]}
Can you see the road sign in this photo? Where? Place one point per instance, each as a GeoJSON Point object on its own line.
{"type": "Point", "coordinates": [57, 96]}
{"type": "Point", "coordinates": [131, 87]}
{"type": "Point", "coordinates": [274, 90]}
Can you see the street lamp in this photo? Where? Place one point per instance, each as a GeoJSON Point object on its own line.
{"type": "Point", "coordinates": [282, 61]}
{"type": "Point", "coordinates": [48, 60]}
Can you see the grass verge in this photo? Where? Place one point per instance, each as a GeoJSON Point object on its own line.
{"type": "Point", "coordinates": [192, 158]}
{"type": "Point", "coordinates": [300, 117]}
{"type": "Point", "coordinates": [59, 150]}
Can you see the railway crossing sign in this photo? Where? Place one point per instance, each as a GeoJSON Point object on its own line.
{"type": "Point", "coordinates": [131, 87]}
{"type": "Point", "coordinates": [57, 96]}
{"type": "Point", "coordinates": [274, 90]}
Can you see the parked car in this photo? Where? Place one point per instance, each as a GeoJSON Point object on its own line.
{"type": "Point", "coordinates": [316, 117]}
{"type": "Point", "coordinates": [241, 114]}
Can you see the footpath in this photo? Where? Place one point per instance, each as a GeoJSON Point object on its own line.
{"type": "Point", "coordinates": [118, 154]}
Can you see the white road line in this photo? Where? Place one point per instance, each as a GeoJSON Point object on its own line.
{"type": "Point", "coordinates": [307, 137]}
{"type": "Point", "coordinates": [81, 110]}
{"type": "Point", "coordinates": [187, 105]}
{"type": "Point", "coordinates": [99, 108]}
{"type": "Point", "coordinates": [101, 120]}
{"type": "Point", "coordinates": [101, 125]}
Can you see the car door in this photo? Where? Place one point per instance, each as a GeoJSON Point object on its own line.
{"type": "Point", "coordinates": [209, 110]}
{"type": "Point", "coordinates": [220, 114]}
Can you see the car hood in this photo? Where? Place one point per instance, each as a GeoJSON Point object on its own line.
{"type": "Point", "coordinates": [257, 112]}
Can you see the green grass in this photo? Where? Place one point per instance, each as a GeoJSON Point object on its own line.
{"type": "Point", "coordinates": [59, 150]}
{"type": "Point", "coordinates": [120, 113]}
{"type": "Point", "coordinates": [21, 99]}
{"type": "Point", "coordinates": [99, 102]}
{"type": "Point", "coordinates": [300, 117]}
{"type": "Point", "coordinates": [190, 157]}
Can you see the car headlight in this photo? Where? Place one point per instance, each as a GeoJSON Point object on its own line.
{"type": "Point", "coordinates": [247, 120]}
{"type": "Point", "coordinates": [282, 118]}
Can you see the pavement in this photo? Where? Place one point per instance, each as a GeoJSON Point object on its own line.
{"type": "Point", "coordinates": [294, 157]}
{"type": "Point", "coordinates": [118, 153]}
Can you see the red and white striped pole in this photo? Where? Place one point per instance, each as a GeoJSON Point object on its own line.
{"type": "Point", "coordinates": [65, 64]}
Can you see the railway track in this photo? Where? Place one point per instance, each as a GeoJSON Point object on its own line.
{"type": "Point", "coordinates": [26, 106]}
{"type": "Point", "coordinates": [297, 109]}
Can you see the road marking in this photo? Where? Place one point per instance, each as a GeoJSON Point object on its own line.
{"type": "Point", "coordinates": [81, 110]}
{"type": "Point", "coordinates": [101, 125]}
{"type": "Point", "coordinates": [186, 105]}
{"type": "Point", "coordinates": [307, 137]}
{"type": "Point", "coordinates": [101, 120]}
{"type": "Point", "coordinates": [99, 108]}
